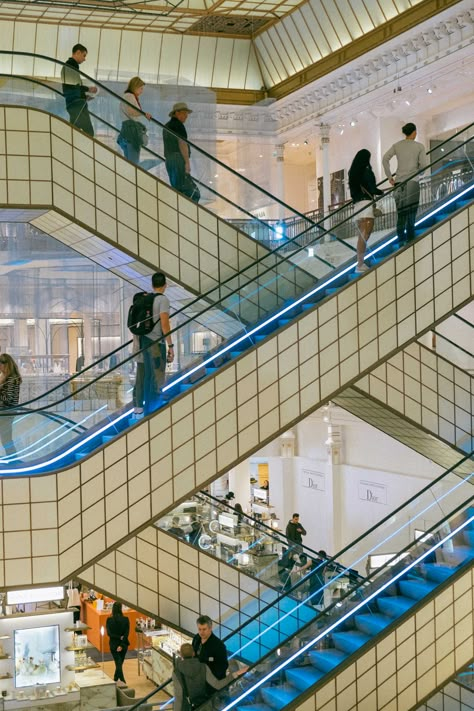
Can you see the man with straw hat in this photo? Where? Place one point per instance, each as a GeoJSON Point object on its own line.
{"type": "Point", "coordinates": [177, 151]}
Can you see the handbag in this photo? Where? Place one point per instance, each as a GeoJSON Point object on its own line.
{"type": "Point", "coordinates": [377, 211]}
{"type": "Point", "coordinates": [73, 597]}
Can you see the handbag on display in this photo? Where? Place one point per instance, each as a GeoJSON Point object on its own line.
{"type": "Point", "coordinates": [73, 597]}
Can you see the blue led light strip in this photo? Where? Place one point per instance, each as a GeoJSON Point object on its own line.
{"type": "Point", "coordinates": [349, 614]}
{"type": "Point", "coordinates": [227, 348]}
{"type": "Point", "coordinates": [302, 299]}
{"type": "Point", "coordinates": [353, 564]}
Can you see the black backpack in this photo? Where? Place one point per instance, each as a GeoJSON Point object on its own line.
{"type": "Point", "coordinates": [140, 314]}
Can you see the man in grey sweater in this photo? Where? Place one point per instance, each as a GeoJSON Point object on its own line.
{"type": "Point", "coordinates": [411, 157]}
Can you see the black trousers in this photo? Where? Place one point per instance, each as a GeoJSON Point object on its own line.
{"type": "Point", "coordinates": [80, 117]}
{"type": "Point", "coordinates": [118, 659]}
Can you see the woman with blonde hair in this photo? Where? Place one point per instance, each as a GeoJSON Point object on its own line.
{"type": "Point", "coordinates": [133, 132]}
{"type": "Point", "coordinates": [10, 381]}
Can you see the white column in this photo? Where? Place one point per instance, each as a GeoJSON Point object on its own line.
{"type": "Point", "coordinates": [279, 179]}
{"type": "Point", "coordinates": [324, 130]}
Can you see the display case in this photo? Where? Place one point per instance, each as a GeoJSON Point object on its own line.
{"type": "Point", "coordinates": [164, 644]}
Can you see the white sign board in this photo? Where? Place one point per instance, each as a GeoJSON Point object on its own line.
{"type": "Point", "coordinates": [20, 597]}
{"type": "Point", "coordinates": [313, 480]}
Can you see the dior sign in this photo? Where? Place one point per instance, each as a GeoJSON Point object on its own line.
{"type": "Point", "coordinates": [313, 480]}
{"type": "Point", "coordinates": [374, 493]}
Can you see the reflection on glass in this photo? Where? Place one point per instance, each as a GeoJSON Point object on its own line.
{"type": "Point", "coordinates": [37, 656]}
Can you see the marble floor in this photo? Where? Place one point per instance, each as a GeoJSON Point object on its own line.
{"type": "Point", "coordinates": [135, 681]}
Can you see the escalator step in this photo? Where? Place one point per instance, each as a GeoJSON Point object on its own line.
{"type": "Point", "coordinates": [327, 659]}
{"type": "Point", "coordinates": [395, 606]}
{"type": "Point", "coordinates": [349, 642]}
{"type": "Point", "coordinates": [372, 624]}
{"type": "Point", "coordinates": [277, 697]}
{"type": "Point", "coordinates": [416, 589]}
{"type": "Point", "coordinates": [469, 537]}
{"type": "Point", "coordinates": [437, 572]}
{"type": "Point", "coordinates": [303, 677]}
{"type": "Point", "coordinates": [254, 707]}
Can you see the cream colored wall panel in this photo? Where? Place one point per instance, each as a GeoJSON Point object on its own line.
{"type": "Point", "coordinates": [223, 62]}
{"type": "Point", "coordinates": [240, 66]}
{"type": "Point", "coordinates": [365, 20]}
{"type": "Point", "coordinates": [188, 60]}
{"type": "Point", "coordinates": [109, 50]}
{"type": "Point", "coordinates": [349, 19]}
{"type": "Point", "coordinates": [326, 22]}
{"type": "Point", "coordinates": [129, 57]}
{"type": "Point", "coordinates": [171, 48]}
{"type": "Point", "coordinates": [90, 37]}
{"type": "Point", "coordinates": [312, 22]}
{"type": "Point", "coordinates": [300, 34]}
{"type": "Point", "coordinates": [254, 75]}
{"type": "Point", "coordinates": [23, 41]}
{"type": "Point", "coordinates": [288, 47]}
{"type": "Point", "coordinates": [205, 61]}
{"type": "Point", "coordinates": [46, 39]}
{"type": "Point", "coordinates": [274, 51]}
{"type": "Point", "coordinates": [269, 71]}
{"type": "Point", "coordinates": [67, 38]}
{"type": "Point", "coordinates": [149, 62]}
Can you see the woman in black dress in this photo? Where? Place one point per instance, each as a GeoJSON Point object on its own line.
{"type": "Point", "coordinates": [363, 189]}
{"type": "Point", "coordinates": [118, 627]}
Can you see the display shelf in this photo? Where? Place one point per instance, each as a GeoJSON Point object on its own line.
{"type": "Point", "coordinates": [5, 656]}
{"type": "Point", "coordinates": [74, 667]}
{"type": "Point", "coordinates": [6, 676]}
{"type": "Point", "coordinates": [77, 629]}
{"type": "Point", "coordinates": [5, 636]}
{"type": "Point", "coordinates": [73, 648]}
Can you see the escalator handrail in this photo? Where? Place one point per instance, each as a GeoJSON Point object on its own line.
{"type": "Point", "coordinates": [215, 304]}
{"type": "Point", "coordinates": [9, 411]}
{"type": "Point", "coordinates": [47, 85]}
{"type": "Point", "coordinates": [464, 320]}
{"type": "Point", "coordinates": [333, 560]}
{"type": "Point", "coordinates": [452, 343]}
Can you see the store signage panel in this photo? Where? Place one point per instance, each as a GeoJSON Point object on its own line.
{"type": "Point", "coordinates": [374, 493]}
{"type": "Point", "coordinates": [313, 480]}
{"type": "Point", "coordinates": [20, 597]}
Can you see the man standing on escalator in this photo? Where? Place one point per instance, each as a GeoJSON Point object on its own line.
{"type": "Point", "coordinates": [74, 91]}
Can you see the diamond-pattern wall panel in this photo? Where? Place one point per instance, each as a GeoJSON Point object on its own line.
{"type": "Point", "coordinates": [419, 398]}
{"type": "Point", "coordinates": [174, 581]}
{"type": "Point", "coordinates": [96, 505]}
{"type": "Point", "coordinates": [88, 191]}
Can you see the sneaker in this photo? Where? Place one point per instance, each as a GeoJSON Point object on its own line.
{"type": "Point", "coordinates": [363, 268]}
{"type": "Point", "coordinates": [138, 410]}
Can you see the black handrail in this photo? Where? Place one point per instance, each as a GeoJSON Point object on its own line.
{"type": "Point", "coordinates": [464, 320]}
{"type": "Point", "coordinates": [211, 305]}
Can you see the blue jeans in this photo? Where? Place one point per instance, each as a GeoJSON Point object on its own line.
{"type": "Point", "coordinates": [131, 153]}
{"type": "Point", "coordinates": [154, 361]}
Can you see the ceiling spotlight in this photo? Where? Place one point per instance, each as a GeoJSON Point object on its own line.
{"type": "Point", "coordinates": [407, 102]}
{"type": "Point", "coordinates": [353, 122]}
{"type": "Point", "coordinates": [429, 90]}
{"type": "Point", "coordinates": [306, 142]}
{"type": "Point", "coordinates": [341, 131]}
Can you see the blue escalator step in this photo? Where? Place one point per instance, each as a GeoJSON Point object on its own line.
{"type": "Point", "coordinates": [416, 589]}
{"type": "Point", "coordinates": [331, 290]}
{"type": "Point", "coordinates": [327, 659]}
{"type": "Point", "coordinates": [107, 438]}
{"type": "Point", "coordinates": [461, 554]}
{"type": "Point", "coordinates": [259, 337]}
{"type": "Point", "coordinates": [310, 304]}
{"type": "Point", "coordinates": [283, 322]}
{"type": "Point", "coordinates": [437, 572]}
{"type": "Point", "coordinates": [469, 538]}
{"type": "Point", "coordinates": [277, 697]}
{"type": "Point", "coordinates": [372, 624]}
{"type": "Point", "coordinates": [350, 641]}
{"type": "Point", "coordinates": [254, 707]}
{"type": "Point", "coordinates": [80, 455]}
{"type": "Point", "coordinates": [184, 387]}
{"type": "Point", "coordinates": [394, 606]}
{"type": "Point", "coordinates": [303, 677]}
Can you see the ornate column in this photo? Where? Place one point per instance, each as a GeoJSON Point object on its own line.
{"type": "Point", "coordinates": [324, 131]}
{"type": "Point", "coordinates": [279, 183]}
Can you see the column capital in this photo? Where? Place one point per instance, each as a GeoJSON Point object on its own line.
{"type": "Point", "coordinates": [324, 131]}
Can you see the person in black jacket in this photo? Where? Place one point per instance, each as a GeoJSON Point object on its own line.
{"type": "Point", "coordinates": [178, 152]}
{"type": "Point", "coordinates": [74, 92]}
{"type": "Point", "coordinates": [10, 381]}
{"type": "Point", "coordinates": [294, 533]}
{"type": "Point", "coordinates": [209, 649]}
{"type": "Point", "coordinates": [363, 189]}
{"type": "Point", "coordinates": [118, 627]}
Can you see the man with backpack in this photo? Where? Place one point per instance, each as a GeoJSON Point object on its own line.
{"type": "Point", "coordinates": [148, 318]}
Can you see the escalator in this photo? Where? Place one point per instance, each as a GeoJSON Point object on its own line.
{"type": "Point", "coordinates": [197, 247]}
{"type": "Point", "coordinates": [393, 606]}
{"type": "Point", "coordinates": [221, 408]}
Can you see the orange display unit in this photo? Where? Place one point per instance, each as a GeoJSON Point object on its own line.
{"type": "Point", "coordinates": [95, 619]}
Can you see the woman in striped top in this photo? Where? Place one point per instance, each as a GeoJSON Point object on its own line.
{"type": "Point", "coordinates": [10, 381]}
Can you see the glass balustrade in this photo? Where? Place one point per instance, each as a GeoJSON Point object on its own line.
{"type": "Point", "coordinates": [246, 308]}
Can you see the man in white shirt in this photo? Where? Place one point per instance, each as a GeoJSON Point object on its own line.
{"type": "Point", "coordinates": [411, 158]}
{"type": "Point", "coordinates": [154, 357]}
